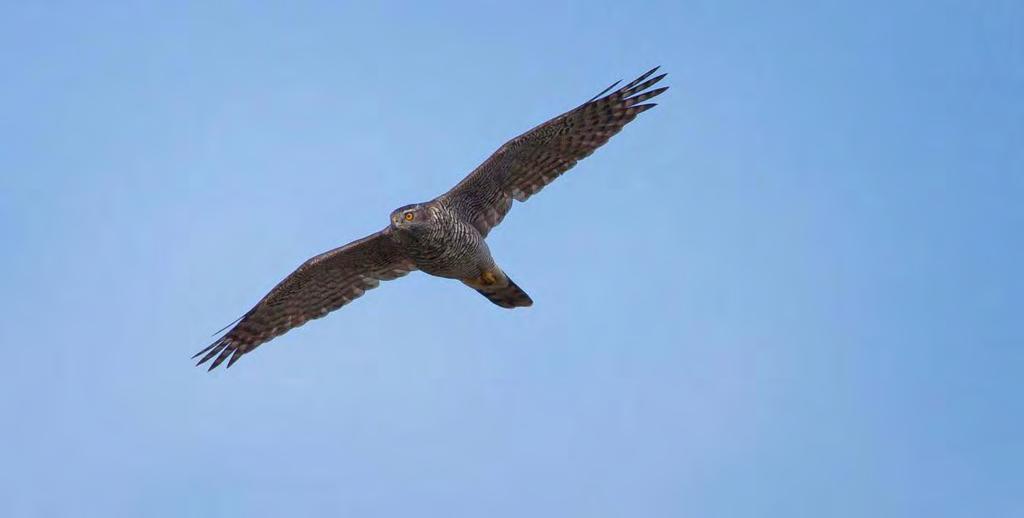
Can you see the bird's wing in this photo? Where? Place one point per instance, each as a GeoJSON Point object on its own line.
{"type": "Point", "coordinates": [525, 164]}
{"type": "Point", "coordinates": [322, 284]}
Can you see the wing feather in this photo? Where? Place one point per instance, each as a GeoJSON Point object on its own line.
{"type": "Point", "coordinates": [524, 165]}
{"type": "Point", "coordinates": [320, 285]}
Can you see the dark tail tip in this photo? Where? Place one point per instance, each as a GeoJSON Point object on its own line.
{"type": "Point", "coordinates": [509, 296]}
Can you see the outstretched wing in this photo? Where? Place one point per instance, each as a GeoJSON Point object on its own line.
{"type": "Point", "coordinates": [525, 164]}
{"type": "Point", "coordinates": [322, 284]}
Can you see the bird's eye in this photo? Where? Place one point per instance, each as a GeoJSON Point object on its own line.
{"type": "Point", "coordinates": [409, 216]}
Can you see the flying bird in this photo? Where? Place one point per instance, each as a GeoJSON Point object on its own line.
{"type": "Point", "coordinates": [445, 236]}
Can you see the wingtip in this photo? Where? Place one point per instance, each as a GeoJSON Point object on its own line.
{"type": "Point", "coordinates": [234, 358]}
{"type": "Point", "coordinates": [633, 85]}
{"type": "Point", "coordinates": [204, 351]}
{"type": "Point", "coordinates": [217, 347]}
{"type": "Point", "coordinates": [237, 320]}
{"type": "Point", "coordinates": [202, 361]}
{"type": "Point", "coordinates": [606, 90]}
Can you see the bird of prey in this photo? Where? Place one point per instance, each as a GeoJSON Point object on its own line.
{"type": "Point", "coordinates": [444, 236]}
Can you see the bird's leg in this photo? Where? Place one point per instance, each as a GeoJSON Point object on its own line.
{"type": "Point", "coordinates": [487, 278]}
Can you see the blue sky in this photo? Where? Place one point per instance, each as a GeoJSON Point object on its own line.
{"type": "Point", "coordinates": [792, 289]}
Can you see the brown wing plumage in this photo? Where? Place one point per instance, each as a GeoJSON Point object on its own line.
{"type": "Point", "coordinates": [322, 284]}
{"type": "Point", "coordinates": [525, 164]}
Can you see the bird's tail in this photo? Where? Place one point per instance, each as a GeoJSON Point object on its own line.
{"type": "Point", "coordinates": [507, 296]}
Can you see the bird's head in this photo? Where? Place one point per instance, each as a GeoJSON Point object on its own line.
{"type": "Point", "coordinates": [411, 217]}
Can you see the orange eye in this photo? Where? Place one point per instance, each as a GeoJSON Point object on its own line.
{"type": "Point", "coordinates": [409, 216]}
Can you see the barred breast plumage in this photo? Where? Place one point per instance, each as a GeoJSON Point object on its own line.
{"type": "Point", "coordinates": [443, 244]}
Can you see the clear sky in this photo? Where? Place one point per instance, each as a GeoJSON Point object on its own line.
{"type": "Point", "coordinates": [792, 289]}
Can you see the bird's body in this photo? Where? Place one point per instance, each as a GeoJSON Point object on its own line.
{"type": "Point", "coordinates": [443, 244]}
{"type": "Point", "coordinates": [446, 236]}
{"type": "Point", "coordinates": [440, 242]}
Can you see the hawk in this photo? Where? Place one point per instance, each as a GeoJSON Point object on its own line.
{"type": "Point", "coordinates": [445, 236]}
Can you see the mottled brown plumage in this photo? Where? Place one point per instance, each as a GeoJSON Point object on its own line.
{"type": "Point", "coordinates": [321, 285]}
{"type": "Point", "coordinates": [525, 164]}
{"type": "Point", "coordinates": [445, 236]}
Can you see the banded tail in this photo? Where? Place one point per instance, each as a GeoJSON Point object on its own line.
{"type": "Point", "coordinates": [508, 295]}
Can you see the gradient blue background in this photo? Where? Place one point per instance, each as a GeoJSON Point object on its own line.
{"type": "Point", "coordinates": [793, 289]}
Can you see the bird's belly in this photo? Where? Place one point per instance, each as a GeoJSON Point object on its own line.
{"type": "Point", "coordinates": [451, 260]}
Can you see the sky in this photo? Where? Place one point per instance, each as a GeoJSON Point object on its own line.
{"type": "Point", "coordinates": [792, 289]}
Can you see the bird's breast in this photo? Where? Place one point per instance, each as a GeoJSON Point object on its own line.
{"type": "Point", "coordinates": [449, 248]}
